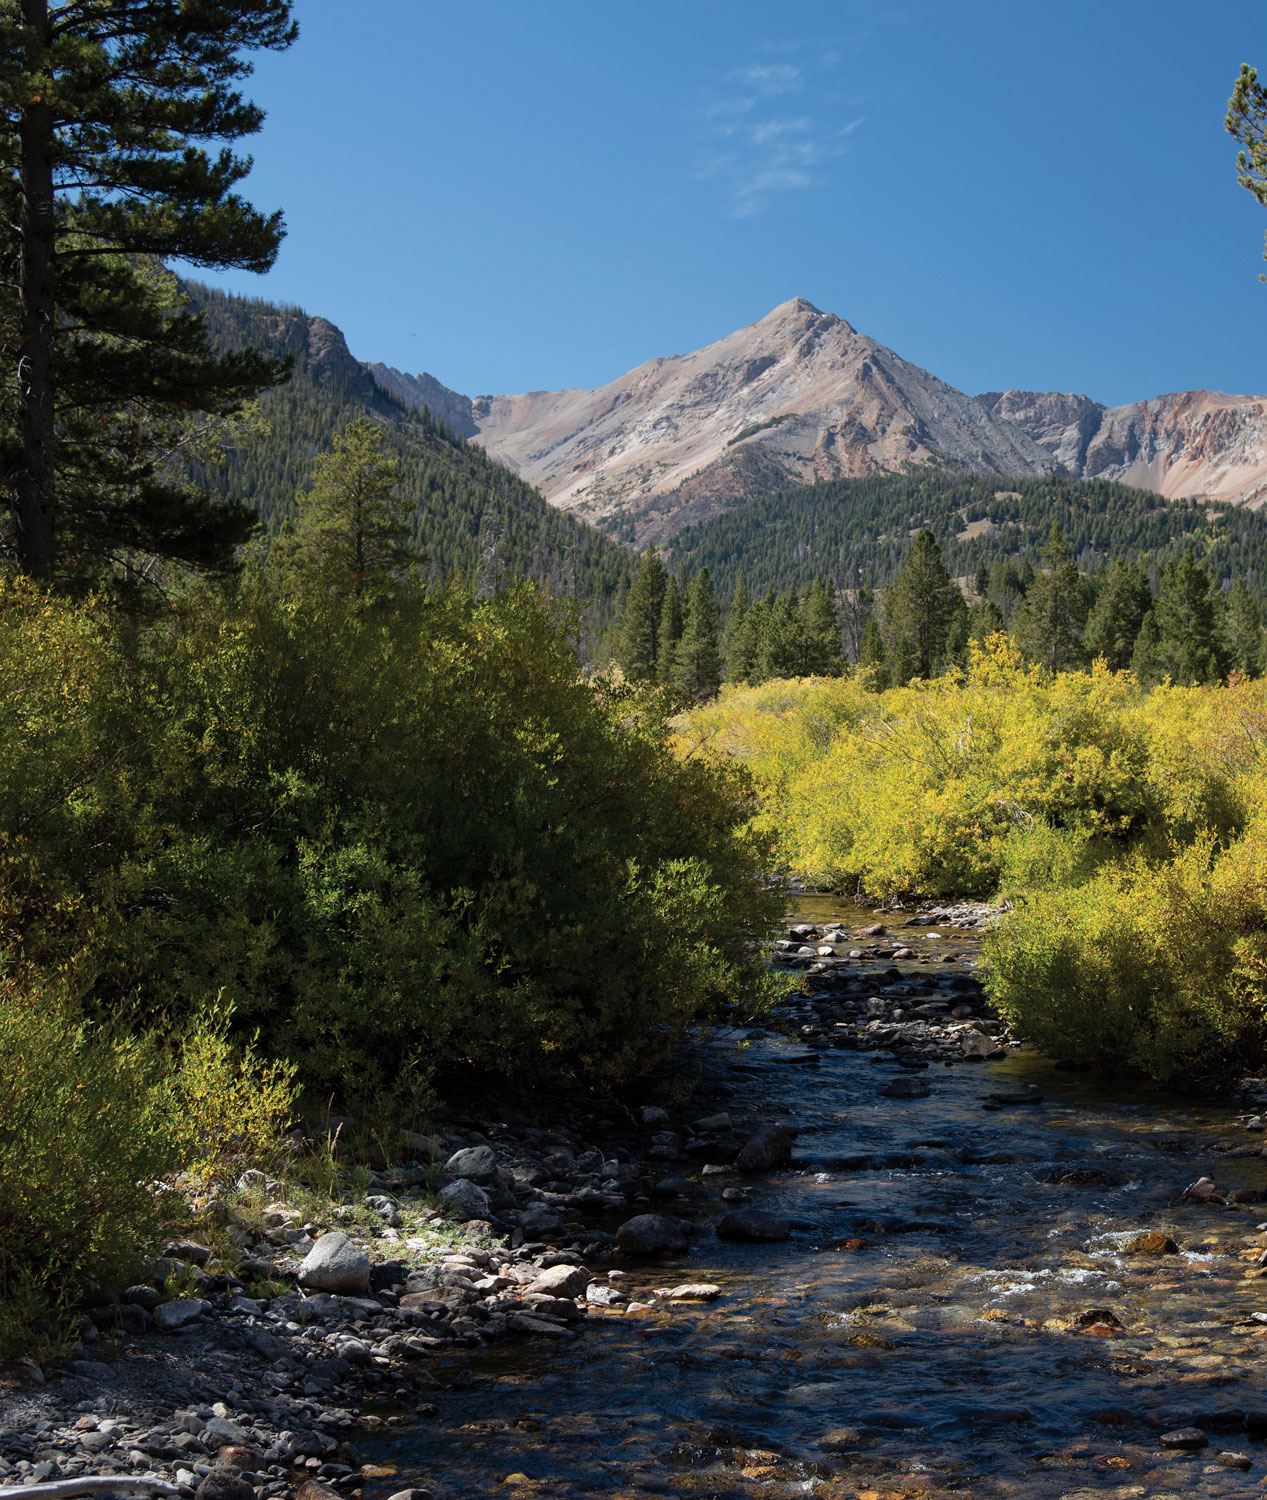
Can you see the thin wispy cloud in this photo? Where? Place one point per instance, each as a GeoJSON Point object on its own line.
{"type": "Point", "coordinates": [770, 129]}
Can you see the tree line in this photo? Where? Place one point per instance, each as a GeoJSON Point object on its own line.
{"type": "Point", "coordinates": [1188, 630]}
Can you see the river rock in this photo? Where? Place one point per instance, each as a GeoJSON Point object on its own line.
{"type": "Point", "coordinates": [1229, 1460]}
{"type": "Point", "coordinates": [752, 1226]}
{"type": "Point", "coordinates": [559, 1281]}
{"type": "Point", "coordinates": [767, 1148]}
{"type": "Point", "coordinates": [1151, 1242]}
{"type": "Point", "coordinates": [334, 1264]}
{"type": "Point", "coordinates": [219, 1432]}
{"type": "Point", "coordinates": [224, 1484]}
{"type": "Point", "coordinates": [907, 1088]}
{"type": "Point", "coordinates": [477, 1164]}
{"type": "Point", "coordinates": [1186, 1438]}
{"type": "Point", "coordinates": [840, 1439]}
{"type": "Point", "coordinates": [466, 1199]}
{"type": "Point", "coordinates": [689, 1291]}
{"type": "Point", "coordinates": [604, 1296]}
{"type": "Point", "coordinates": [179, 1313]}
{"type": "Point", "coordinates": [538, 1222]}
{"type": "Point", "coordinates": [650, 1234]}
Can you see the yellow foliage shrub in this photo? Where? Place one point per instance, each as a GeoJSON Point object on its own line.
{"type": "Point", "coordinates": [924, 788]}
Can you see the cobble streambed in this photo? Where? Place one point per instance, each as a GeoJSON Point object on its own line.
{"type": "Point", "coordinates": [1002, 1279]}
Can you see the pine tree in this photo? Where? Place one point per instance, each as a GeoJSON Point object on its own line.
{"type": "Point", "coordinates": [1247, 121]}
{"type": "Point", "coordinates": [740, 604]}
{"type": "Point", "coordinates": [822, 631]}
{"type": "Point", "coordinates": [1186, 614]}
{"type": "Point", "coordinates": [638, 644]}
{"type": "Point", "coordinates": [981, 581]}
{"type": "Point", "coordinates": [743, 642]}
{"type": "Point", "coordinates": [352, 535]}
{"type": "Point", "coordinates": [984, 620]}
{"type": "Point", "coordinates": [1243, 631]}
{"type": "Point", "coordinates": [1054, 615]}
{"type": "Point", "coordinates": [1115, 621]}
{"type": "Point", "coordinates": [872, 655]}
{"type": "Point", "coordinates": [672, 618]}
{"type": "Point", "coordinates": [698, 660]}
{"type": "Point", "coordinates": [921, 610]}
{"type": "Point", "coordinates": [1146, 657]}
{"type": "Point", "coordinates": [105, 105]}
{"type": "Point", "coordinates": [781, 646]}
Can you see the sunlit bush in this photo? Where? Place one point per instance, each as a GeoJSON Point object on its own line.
{"type": "Point", "coordinates": [1160, 968]}
{"type": "Point", "coordinates": [938, 788]}
{"type": "Point", "coordinates": [407, 843]}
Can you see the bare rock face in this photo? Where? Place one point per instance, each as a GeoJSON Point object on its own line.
{"type": "Point", "coordinates": [816, 398]}
{"type": "Point", "coordinates": [801, 395]}
{"type": "Point", "coordinates": [1193, 444]}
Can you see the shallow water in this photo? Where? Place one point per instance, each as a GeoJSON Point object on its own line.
{"type": "Point", "coordinates": [939, 1352]}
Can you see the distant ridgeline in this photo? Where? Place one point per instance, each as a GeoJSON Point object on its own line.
{"type": "Point", "coordinates": [474, 516]}
{"type": "Point", "coordinates": [860, 530]}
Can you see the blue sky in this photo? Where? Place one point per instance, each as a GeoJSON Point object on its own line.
{"type": "Point", "coordinates": [519, 197]}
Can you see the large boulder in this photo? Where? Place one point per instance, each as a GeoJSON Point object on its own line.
{"type": "Point", "coordinates": [767, 1148]}
{"type": "Point", "coordinates": [753, 1226]}
{"type": "Point", "coordinates": [334, 1264]}
{"type": "Point", "coordinates": [475, 1163]}
{"type": "Point", "coordinates": [650, 1234]}
{"type": "Point", "coordinates": [168, 1316]}
{"type": "Point", "coordinates": [223, 1483]}
{"type": "Point", "coordinates": [466, 1199]}
{"type": "Point", "coordinates": [560, 1281]}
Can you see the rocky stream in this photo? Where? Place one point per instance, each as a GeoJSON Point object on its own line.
{"type": "Point", "coordinates": [900, 1256]}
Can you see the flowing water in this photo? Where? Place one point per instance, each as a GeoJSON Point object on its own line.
{"type": "Point", "coordinates": [949, 1318]}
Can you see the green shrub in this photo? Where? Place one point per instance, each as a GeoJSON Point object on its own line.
{"type": "Point", "coordinates": [1155, 968]}
{"type": "Point", "coordinates": [95, 1125]}
{"type": "Point", "coordinates": [411, 842]}
{"type": "Point", "coordinates": [85, 1130]}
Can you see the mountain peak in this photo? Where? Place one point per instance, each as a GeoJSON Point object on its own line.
{"type": "Point", "coordinates": [794, 305]}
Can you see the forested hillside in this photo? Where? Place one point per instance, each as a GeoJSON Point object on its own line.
{"type": "Point", "coordinates": [859, 530]}
{"type": "Point", "coordinates": [473, 515]}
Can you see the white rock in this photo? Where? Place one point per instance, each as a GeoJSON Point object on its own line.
{"type": "Point", "coordinates": [334, 1264]}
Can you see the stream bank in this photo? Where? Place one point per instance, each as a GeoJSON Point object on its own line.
{"type": "Point", "coordinates": [992, 1278]}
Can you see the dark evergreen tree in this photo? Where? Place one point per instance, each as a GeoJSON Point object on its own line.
{"type": "Point", "coordinates": [352, 537]}
{"type": "Point", "coordinates": [921, 611]}
{"type": "Point", "coordinates": [781, 646]}
{"type": "Point", "coordinates": [981, 581]}
{"type": "Point", "coordinates": [743, 641]}
{"type": "Point", "coordinates": [1051, 621]}
{"type": "Point", "coordinates": [872, 655]}
{"type": "Point", "coordinates": [1146, 657]}
{"type": "Point", "coordinates": [1247, 121]}
{"type": "Point", "coordinates": [698, 669]}
{"type": "Point", "coordinates": [1243, 631]}
{"type": "Point", "coordinates": [672, 616]}
{"type": "Point", "coordinates": [822, 631]}
{"type": "Point", "coordinates": [638, 644]}
{"type": "Point", "coordinates": [984, 620]}
{"type": "Point", "coordinates": [1114, 623]}
{"type": "Point", "coordinates": [104, 109]}
{"type": "Point", "coordinates": [1187, 616]}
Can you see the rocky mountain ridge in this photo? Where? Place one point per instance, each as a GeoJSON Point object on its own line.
{"type": "Point", "coordinates": [802, 395]}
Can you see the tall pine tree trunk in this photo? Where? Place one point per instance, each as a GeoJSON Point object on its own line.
{"type": "Point", "coordinates": [36, 477]}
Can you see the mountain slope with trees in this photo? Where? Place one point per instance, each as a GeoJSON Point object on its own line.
{"type": "Point", "coordinates": [470, 514]}
{"type": "Point", "coordinates": [860, 530]}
